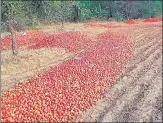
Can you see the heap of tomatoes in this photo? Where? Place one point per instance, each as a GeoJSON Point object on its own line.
{"type": "Point", "coordinates": [157, 19]}
{"type": "Point", "coordinates": [72, 41]}
{"type": "Point", "coordinates": [61, 93]}
{"type": "Point", "coordinates": [25, 39]}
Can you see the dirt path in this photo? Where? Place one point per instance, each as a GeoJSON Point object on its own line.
{"type": "Point", "coordinates": [137, 96]}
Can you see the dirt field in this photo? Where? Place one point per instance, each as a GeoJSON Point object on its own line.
{"type": "Point", "coordinates": [135, 97]}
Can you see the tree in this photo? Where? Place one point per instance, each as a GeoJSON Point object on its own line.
{"type": "Point", "coordinates": [157, 8]}
{"type": "Point", "coordinates": [62, 16]}
{"type": "Point", "coordinates": [109, 8]}
{"type": "Point", "coordinates": [12, 26]}
{"type": "Point", "coordinates": [127, 9]}
{"type": "Point", "coordinates": [13, 34]}
{"type": "Point", "coordinates": [75, 13]}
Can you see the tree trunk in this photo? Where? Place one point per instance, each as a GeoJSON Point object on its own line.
{"type": "Point", "coordinates": [75, 13]}
{"type": "Point", "coordinates": [109, 15]}
{"type": "Point", "coordinates": [13, 34]}
{"type": "Point", "coordinates": [127, 17]}
{"type": "Point", "coordinates": [62, 16]}
{"type": "Point", "coordinates": [128, 3]}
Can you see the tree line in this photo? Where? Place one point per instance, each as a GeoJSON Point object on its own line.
{"type": "Point", "coordinates": [22, 14]}
{"type": "Point", "coordinates": [31, 13]}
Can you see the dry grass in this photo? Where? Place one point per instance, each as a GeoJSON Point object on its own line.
{"type": "Point", "coordinates": [67, 27]}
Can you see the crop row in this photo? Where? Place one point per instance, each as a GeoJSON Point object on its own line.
{"type": "Point", "coordinates": [72, 41]}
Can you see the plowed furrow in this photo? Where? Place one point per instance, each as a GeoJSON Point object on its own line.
{"type": "Point", "coordinates": [145, 47]}
{"type": "Point", "coordinates": [119, 89]}
{"type": "Point", "coordinates": [143, 35]}
{"type": "Point", "coordinates": [135, 95]}
{"type": "Point", "coordinates": [131, 91]}
{"type": "Point", "coordinates": [150, 106]}
{"type": "Point", "coordinates": [139, 57]}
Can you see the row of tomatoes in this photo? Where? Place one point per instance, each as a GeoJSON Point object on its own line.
{"type": "Point", "coordinates": [157, 19]}
{"type": "Point", "coordinates": [69, 40]}
{"type": "Point", "coordinates": [25, 39]}
{"type": "Point", "coordinates": [130, 21]}
{"type": "Point", "coordinates": [37, 39]}
{"type": "Point", "coordinates": [61, 93]}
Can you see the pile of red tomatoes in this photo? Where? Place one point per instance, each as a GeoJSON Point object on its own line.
{"type": "Point", "coordinates": [61, 93]}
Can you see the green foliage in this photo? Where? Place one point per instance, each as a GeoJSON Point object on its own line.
{"type": "Point", "coordinates": [120, 10]}
{"type": "Point", "coordinates": [21, 15]}
{"type": "Point", "coordinates": [92, 9]}
{"type": "Point", "coordinates": [31, 13]}
{"type": "Point", "coordinates": [157, 9]}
